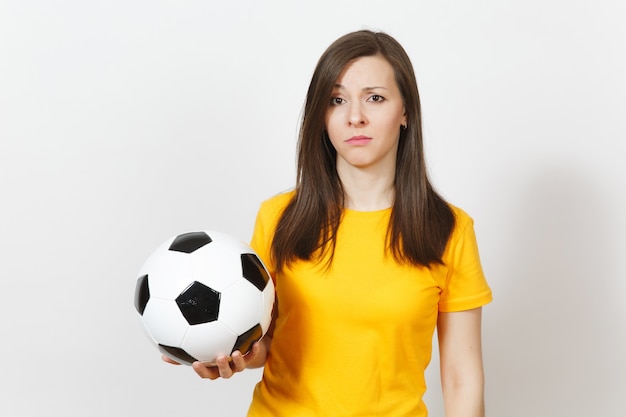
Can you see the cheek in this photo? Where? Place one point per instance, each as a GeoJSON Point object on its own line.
{"type": "Point", "coordinates": [393, 123]}
{"type": "Point", "coordinates": [390, 127]}
{"type": "Point", "coordinates": [332, 117]}
{"type": "Point", "coordinates": [333, 126]}
{"type": "Point", "coordinates": [333, 137]}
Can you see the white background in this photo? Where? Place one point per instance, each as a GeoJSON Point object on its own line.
{"type": "Point", "coordinates": [125, 122]}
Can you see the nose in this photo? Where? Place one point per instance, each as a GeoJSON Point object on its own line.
{"type": "Point", "coordinates": [356, 116]}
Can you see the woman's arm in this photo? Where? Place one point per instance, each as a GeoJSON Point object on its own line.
{"type": "Point", "coordinates": [460, 356]}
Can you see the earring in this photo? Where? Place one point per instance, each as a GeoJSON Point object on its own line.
{"type": "Point", "coordinates": [404, 126]}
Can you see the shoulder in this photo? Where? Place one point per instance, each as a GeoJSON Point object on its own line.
{"type": "Point", "coordinates": [267, 218]}
{"type": "Point", "coordinates": [272, 208]}
{"type": "Point", "coordinates": [461, 217]}
{"type": "Point", "coordinates": [277, 202]}
{"type": "Point", "coordinates": [463, 224]}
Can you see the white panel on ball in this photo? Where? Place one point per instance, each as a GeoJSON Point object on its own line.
{"type": "Point", "coordinates": [170, 272]}
{"type": "Point", "coordinates": [206, 341]}
{"type": "Point", "coordinates": [268, 306]}
{"type": "Point", "coordinates": [164, 322]}
{"type": "Point", "coordinates": [217, 264]}
{"type": "Point", "coordinates": [239, 319]}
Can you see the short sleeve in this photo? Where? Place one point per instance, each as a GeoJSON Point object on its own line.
{"type": "Point", "coordinates": [265, 225]}
{"type": "Point", "coordinates": [466, 286]}
{"type": "Point", "coordinates": [261, 240]}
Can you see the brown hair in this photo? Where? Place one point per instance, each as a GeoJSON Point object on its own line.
{"type": "Point", "coordinates": [421, 221]}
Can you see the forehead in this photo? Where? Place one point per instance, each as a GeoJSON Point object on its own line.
{"type": "Point", "coordinates": [367, 71]}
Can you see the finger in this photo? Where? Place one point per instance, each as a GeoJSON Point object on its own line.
{"type": "Point", "coordinates": [205, 371]}
{"type": "Point", "coordinates": [169, 360]}
{"type": "Point", "coordinates": [239, 362]}
{"type": "Point", "coordinates": [252, 353]}
{"type": "Point", "coordinates": [223, 366]}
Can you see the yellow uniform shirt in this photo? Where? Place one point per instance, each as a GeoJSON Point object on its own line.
{"type": "Point", "coordinates": [355, 340]}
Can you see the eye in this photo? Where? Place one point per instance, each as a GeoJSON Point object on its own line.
{"type": "Point", "coordinates": [376, 98]}
{"type": "Point", "coordinates": [335, 101]}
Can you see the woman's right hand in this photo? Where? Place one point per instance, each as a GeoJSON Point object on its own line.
{"type": "Point", "coordinates": [225, 368]}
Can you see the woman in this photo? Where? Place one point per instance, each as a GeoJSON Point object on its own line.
{"type": "Point", "coordinates": [367, 258]}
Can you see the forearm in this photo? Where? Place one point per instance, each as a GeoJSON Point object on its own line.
{"type": "Point", "coordinates": [464, 399]}
{"type": "Point", "coordinates": [462, 376]}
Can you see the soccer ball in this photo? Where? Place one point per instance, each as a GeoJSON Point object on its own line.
{"type": "Point", "coordinates": [204, 294]}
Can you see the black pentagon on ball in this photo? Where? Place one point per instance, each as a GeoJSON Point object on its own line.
{"type": "Point", "coordinates": [190, 242]}
{"type": "Point", "coordinates": [142, 294]}
{"type": "Point", "coordinates": [254, 271]}
{"type": "Point", "coordinates": [199, 303]}
{"type": "Point", "coordinates": [178, 354]}
{"type": "Point", "coordinates": [246, 340]}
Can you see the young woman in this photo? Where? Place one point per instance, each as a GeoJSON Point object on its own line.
{"type": "Point", "coordinates": [367, 258]}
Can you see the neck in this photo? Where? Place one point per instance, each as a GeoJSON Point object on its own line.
{"type": "Point", "coordinates": [366, 190]}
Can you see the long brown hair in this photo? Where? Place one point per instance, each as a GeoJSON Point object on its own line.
{"type": "Point", "coordinates": [421, 221]}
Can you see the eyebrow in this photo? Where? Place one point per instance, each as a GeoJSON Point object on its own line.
{"type": "Point", "coordinates": [341, 86]}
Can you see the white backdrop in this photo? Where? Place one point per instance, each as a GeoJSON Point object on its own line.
{"type": "Point", "coordinates": [124, 122]}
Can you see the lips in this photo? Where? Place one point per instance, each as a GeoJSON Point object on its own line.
{"type": "Point", "coordinates": [359, 140]}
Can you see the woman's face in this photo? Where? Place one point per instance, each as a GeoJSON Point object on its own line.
{"type": "Point", "coordinates": [365, 115]}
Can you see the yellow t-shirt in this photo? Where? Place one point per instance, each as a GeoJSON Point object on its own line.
{"type": "Point", "coordinates": [356, 340]}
